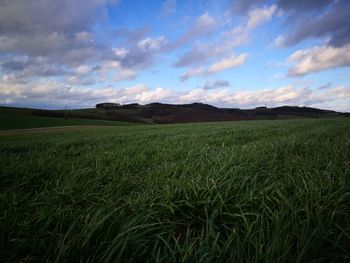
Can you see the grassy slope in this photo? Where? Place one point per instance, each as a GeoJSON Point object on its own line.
{"type": "Point", "coordinates": [21, 119]}
{"type": "Point", "coordinates": [262, 191]}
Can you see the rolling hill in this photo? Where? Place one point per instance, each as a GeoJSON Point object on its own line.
{"type": "Point", "coordinates": [158, 113]}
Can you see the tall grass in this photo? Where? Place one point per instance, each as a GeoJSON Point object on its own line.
{"type": "Point", "coordinates": [263, 191]}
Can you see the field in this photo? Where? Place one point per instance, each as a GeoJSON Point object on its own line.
{"type": "Point", "coordinates": [153, 113]}
{"type": "Point", "coordinates": [254, 191]}
{"type": "Point", "coordinates": [16, 118]}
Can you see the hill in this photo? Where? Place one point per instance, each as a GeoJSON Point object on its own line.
{"type": "Point", "coordinates": [153, 113]}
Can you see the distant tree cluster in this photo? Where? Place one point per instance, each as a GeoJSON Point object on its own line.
{"type": "Point", "coordinates": [108, 105]}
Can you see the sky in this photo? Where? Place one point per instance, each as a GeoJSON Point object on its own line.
{"type": "Point", "coordinates": [227, 53]}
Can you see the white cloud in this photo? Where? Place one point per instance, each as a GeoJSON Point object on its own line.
{"type": "Point", "coordinates": [202, 53]}
{"type": "Point", "coordinates": [149, 44]}
{"type": "Point", "coordinates": [278, 42]}
{"type": "Point", "coordinates": [120, 52]}
{"type": "Point", "coordinates": [55, 94]}
{"type": "Point", "coordinates": [153, 95]}
{"type": "Point", "coordinates": [205, 21]}
{"type": "Point", "coordinates": [319, 58]}
{"type": "Point", "coordinates": [286, 95]}
{"type": "Point", "coordinates": [227, 63]}
{"type": "Point", "coordinates": [256, 17]}
{"type": "Point", "coordinates": [192, 73]}
{"type": "Point", "coordinates": [259, 16]}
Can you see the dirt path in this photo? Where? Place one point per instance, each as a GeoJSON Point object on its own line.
{"type": "Point", "coordinates": [51, 129]}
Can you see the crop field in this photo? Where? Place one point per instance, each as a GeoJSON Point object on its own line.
{"type": "Point", "coordinates": [250, 191]}
{"type": "Point", "coordinates": [22, 119]}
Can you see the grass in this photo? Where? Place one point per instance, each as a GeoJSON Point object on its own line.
{"type": "Point", "coordinates": [22, 119]}
{"type": "Point", "coordinates": [257, 191]}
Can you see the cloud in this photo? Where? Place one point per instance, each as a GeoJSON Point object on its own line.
{"type": "Point", "coordinates": [325, 86]}
{"type": "Point", "coordinates": [260, 15]}
{"type": "Point", "coordinates": [131, 36]}
{"type": "Point", "coordinates": [328, 19]}
{"type": "Point", "coordinates": [43, 27]}
{"type": "Point", "coordinates": [226, 63]}
{"type": "Point", "coordinates": [273, 97]}
{"type": "Point", "coordinates": [168, 7]}
{"type": "Point", "coordinates": [240, 6]}
{"type": "Point", "coordinates": [24, 67]}
{"type": "Point", "coordinates": [53, 94]}
{"type": "Point", "coordinates": [192, 73]}
{"type": "Point", "coordinates": [21, 17]}
{"type": "Point", "coordinates": [201, 53]}
{"type": "Point", "coordinates": [151, 44]}
{"type": "Point", "coordinates": [112, 70]}
{"type": "Point", "coordinates": [46, 39]}
{"type": "Point", "coordinates": [332, 24]}
{"type": "Point", "coordinates": [303, 6]}
{"type": "Point", "coordinates": [279, 41]}
{"type": "Point", "coordinates": [139, 54]}
{"type": "Point", "coordinates": [57, 39]}
{"type": "Point", "coordinates": [136, 50]}
{"type": "Point", "coordinates": [204, 25]}
{"type": "Point", "coordinates": [243, 6]}
{"type": "Point", "coordinates": [216, 84]}
{"type": "Point", "coordinates": [319, 58]}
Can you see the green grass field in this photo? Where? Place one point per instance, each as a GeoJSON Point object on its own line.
{"type": "Point", "coordinates": [257, 191]}
{"type": "Point", "coordinates": [22, 119]}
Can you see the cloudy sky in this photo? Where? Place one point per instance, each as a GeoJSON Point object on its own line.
{"type": "Point", "coordinates": [228, 53]}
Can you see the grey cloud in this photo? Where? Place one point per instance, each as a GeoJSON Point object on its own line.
{"type": "Point", "coordinates": [22, 16]}
{"type": "Point", "coordinates": [24, 67]}
{"type": "Point", "coordinates": [132, 35]}
{"type": "Point", "coordinates": [326, 86]}
{"type": "Point", "coordinates": [139, 52]}
{"type": "Point", "coordinates": [34, 45]}
{"type": "Point", "coordinates": [304, 6]}
{"type": "Point", "coordinates": [59, 32]}
{"type": "Point", "coordinates": [10, 65]}
{"type": "Point", "coordinates": [55, 36]}
{"type": "Point", "coordinates": [61, 48]}
{"type": "Point", "coordinates": [194, 56]}
{"type": "Point", "coordinates": [308, 18]}
{"type": "Point", "coordinates": [135, 59]}
{"type": "Point", "coordinates": [334, 24]}
{"type": "Point", "coordinates": [242, 6]}
{"type": "Point", "coordinates": [96, 68]}
{"type": "Point", "coordinates": [216, 84]}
